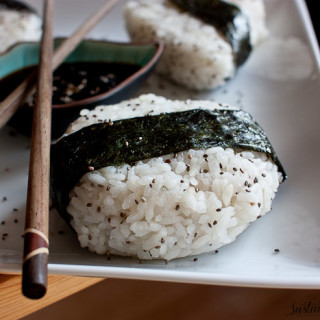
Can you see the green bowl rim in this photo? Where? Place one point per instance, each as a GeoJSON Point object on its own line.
{"type": "Point", "coordinates": [158, 45]}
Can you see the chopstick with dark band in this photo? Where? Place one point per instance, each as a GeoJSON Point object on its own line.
{"type": "Point", "coordinates": [14, 100]}
{"type": "Point", "coordinates": [35, 262]}
{"type": "Point", "coordinates": [35, 257]}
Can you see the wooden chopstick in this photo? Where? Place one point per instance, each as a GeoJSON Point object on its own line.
{"type": "Point", "coordinates": [35, 262]}
{"type": "Point", "coordinates": [35, 258]}
{"type": "Point", "coordinates": [14, 100]}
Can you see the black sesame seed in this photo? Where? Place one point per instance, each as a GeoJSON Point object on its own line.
{"type": "Point", "coordinates": [276, 250]}
{"type": "Point", "coordinates": [195, 259]}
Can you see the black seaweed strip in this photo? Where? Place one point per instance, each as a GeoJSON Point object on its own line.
{"type": "Point", "coordinates": [227, 18]}
{"type": "Point", "coordinates": [131, 140]}
{"type": "Point", "coordinates": [16, 5]}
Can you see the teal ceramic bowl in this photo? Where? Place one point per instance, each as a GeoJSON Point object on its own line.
{"type": "Point", "coordinates": [26, 54]}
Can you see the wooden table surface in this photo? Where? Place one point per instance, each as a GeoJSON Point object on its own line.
{"type": "Point", "coordinates": [13, 305]}
{"type": "Point", "coordinates": [118, 299]}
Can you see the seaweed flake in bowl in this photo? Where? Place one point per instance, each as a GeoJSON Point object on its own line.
{"type": "Point", "coordinates": [97, 72]}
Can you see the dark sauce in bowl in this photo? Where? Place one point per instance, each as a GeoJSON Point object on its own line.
{"type": "Point", "coordinates": [74, 81]}
{"type": "Point", "coordinates": [76, 85]}
{"type": "Point", "coordinates": [81, 80]}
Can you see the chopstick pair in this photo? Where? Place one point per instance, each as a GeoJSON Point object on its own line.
{"type": "Point", "coordinates": [36, 244]}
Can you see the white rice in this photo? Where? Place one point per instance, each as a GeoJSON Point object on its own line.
{"type": "Point", "coordinates": [170, 206]}
{"type": "Point", "coordinates": [16, 26]}
{"type": "Point", "coordinates": [196, 55]}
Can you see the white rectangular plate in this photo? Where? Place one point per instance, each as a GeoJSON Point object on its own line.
{"type": "Point", "coordinates": [283, 99]}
